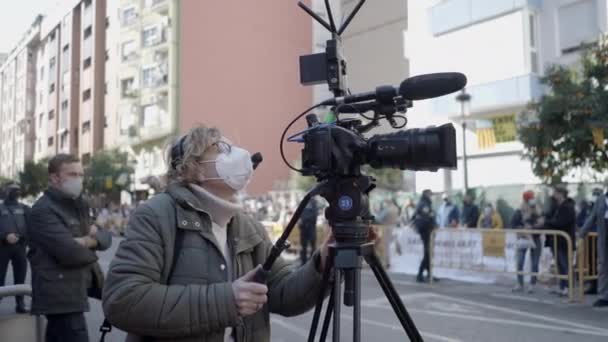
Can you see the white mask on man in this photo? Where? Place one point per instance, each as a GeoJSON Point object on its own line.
{"type": "Point", "coordinates": [234, 167]}
{"type": "Point", "coordinates": [72, 187]}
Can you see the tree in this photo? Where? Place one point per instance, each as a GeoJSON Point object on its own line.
{"type": "Point", "coordinates": [108, 172]}
{"type": "Point", "coordinates": [565, 130]}
{"type": "Point", "coordinates": [34, 177]}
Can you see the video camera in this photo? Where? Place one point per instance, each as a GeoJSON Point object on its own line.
{"type": "Point", "coordinates": [339, 149]}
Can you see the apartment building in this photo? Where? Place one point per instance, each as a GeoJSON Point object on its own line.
{"type": "Point", "coordinates": [503, 46]}
{"type": "Point", "coordinates": [71, 86]}
{"type": "Point", "coordinates": [17, 93]}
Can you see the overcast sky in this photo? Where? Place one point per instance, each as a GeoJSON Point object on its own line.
{"type": "Point", "coordinates": [16, 16]}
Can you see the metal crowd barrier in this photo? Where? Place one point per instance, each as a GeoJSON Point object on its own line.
{"type": "Point", "coordinates": [502, 234]}
{"type": "Point", "coordinates": [587, 262]}
{"type": "Point", "coordinates": [19, 327]}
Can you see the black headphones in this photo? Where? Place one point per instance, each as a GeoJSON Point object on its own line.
{"type": "Point", "coordinates": [177, 152]}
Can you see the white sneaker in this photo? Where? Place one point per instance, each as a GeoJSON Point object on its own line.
{"type": "Point", "coordinates": [564, 292]}
{"type": "Point", "coordinates": [518, 288]}
{"type": "Point", "coordinates": [530, 288]}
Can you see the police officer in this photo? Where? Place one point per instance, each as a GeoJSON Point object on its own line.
{"type": "Point", "coordinates": [13, 239]}
{"type": "Point", "coordinates": [424, 221]}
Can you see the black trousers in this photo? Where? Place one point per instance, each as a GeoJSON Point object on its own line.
{"type": "Point", "coordinates": [308, 238]}
{"type": "Point", "coordinates": [70, 327]}
{"type": "Point", "coordinates": [426, 244]}
{"type": "Point", "coordinates": [15, 254]}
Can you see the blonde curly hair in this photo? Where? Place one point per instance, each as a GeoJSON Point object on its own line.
{"type": "Point", "coordinates": [185, 152]}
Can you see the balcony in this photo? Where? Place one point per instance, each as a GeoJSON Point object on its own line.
{"type": "Point", "coordinates": [158, 6]}
{"type": "Point", "coordinates": [451, 15]}
{"type": "Point", "coordinates": [510, 93]}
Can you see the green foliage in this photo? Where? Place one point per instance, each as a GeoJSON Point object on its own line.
{"type": "Point", "coordinates": [557, 131]}
{"type": "Point", "coordinates": [34, 177]}
{"type": "Point", "coordinates": [108, 172]}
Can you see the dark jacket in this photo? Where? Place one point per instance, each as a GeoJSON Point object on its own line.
{"type": "Point", "coordinates": [308, 219]}
{"type": "Point", "coordinates": [12, 220]}
{"type": "Point", "coordinates": [424, 216]}
{"type": "Point", "coordinates": [470, 215]}
{"type": "Point", "coordinates": [147, 293]}
{"type": "Point", "coordinates": [563, 218]}
{"type": "Point", "coordinates": [61, 268]}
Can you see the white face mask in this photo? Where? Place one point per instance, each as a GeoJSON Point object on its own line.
{"type": "Point", "coordinates": [233, 167]}
{"type": "Point", "coordinates": [72, 187]}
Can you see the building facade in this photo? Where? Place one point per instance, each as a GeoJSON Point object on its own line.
{"type": "Point", "coordinates": [71, 85]}
{"type": "Point", "coordinates": [17, 93]}
{"type": "Point", "coordinates": [503, 47]}
{"type": "Point", "coordinates": [146, 98]}
{"type": "Point", "coordinates": [132, 74]}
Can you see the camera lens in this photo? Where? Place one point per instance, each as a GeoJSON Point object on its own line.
{"type": "Point", "coordinates": [424, 149]}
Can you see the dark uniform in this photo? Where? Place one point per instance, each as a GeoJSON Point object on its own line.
{"type": "Point", "coordinates": [12, 221]}
{"type": "Point", "coordinates": [308, 230]}
{"type": "Point", "coordinates": [63, 271]}
{"type": "Point", "coordinates": [424, 221]}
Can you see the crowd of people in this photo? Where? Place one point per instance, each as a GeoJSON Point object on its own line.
{"type": "Point", "coordinates": [560, 215]}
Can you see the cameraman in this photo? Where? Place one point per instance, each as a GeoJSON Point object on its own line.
{"type": "Point", "coordinates": [185, 270]}
{"type": "Point", "coordinates": [424, 221]}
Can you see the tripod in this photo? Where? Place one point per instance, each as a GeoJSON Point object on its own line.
{"type": "Point", "coordinates": [345, 262]}
{"type": "Point", "coordinates": [349, 220]}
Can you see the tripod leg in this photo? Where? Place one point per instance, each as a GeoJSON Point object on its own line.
{"type": "Point", "coordinates": [357, 307]}
{"type": "Point", "coordinates": [336, 305]}
{"type": "Point", "coordinates": [325, 284]}
{"type": "Point", "coordinates": [392, 296]}
{"type": "Point", "coordinates": [328, 313]}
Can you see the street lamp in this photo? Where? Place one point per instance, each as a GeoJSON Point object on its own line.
{"type": "Point", "coordinates": [465, 100]}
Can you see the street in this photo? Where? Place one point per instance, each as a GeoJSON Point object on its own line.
{"type": "Point", "coordinates": [447, 311]}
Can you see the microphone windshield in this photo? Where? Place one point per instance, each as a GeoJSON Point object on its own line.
{"type": "Point", "coordinates": [428, 86]}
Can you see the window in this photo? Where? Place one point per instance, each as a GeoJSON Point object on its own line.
{"type": "Point", "coordinates": [66, 47]}
{"type": "Point", "coordinates": [127, 87]}
{"type": "Point", "coordinates": [129, 15]}
{"type": "Point", "coordinates": [151, 116]}
{"type": "Point", "coordinates": [52, 88]}
{"type": "Point", "coordinates": [86, 95]}
{"type": "Point", "coordinates": [107, 22]}
{"type": "Point", "coordinates": [534, 67]}
{"type": "Point", "coordinates": [41, 118]}
{"type": "Point", "coordinates": [107, 55]}
{"type": "Point", "coordinates": [41, 73]}
{"type": "Point", "coordinates": [148, 76]}
{"type": "Point", "coordinates": [64, 105]}
{"type": "Point", "coordinates": [87, 63]}
{"type": "Point", "coordinates": [50, 142]}
{"type": "Point", "coordinates": [52, 36]}
{"type": "Point", "coordinates": [129, 50]}
{"type": "Point", "coordinates": [577, 24]}
{"type": "Point", "coordinates": [51, 114]}
{"type": "Point", "coordinates": [64, 139]}
{"type": "Point", "coordinates": [52, 63]}
{"type": "Point", "coordinates": [86, 127]}
{"type": "Point", "coordinates": [151, 36]}
{"type": "Point", "coordinates": [88, 31]}
{"type": "Point", "coordinates": [87, 3]}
